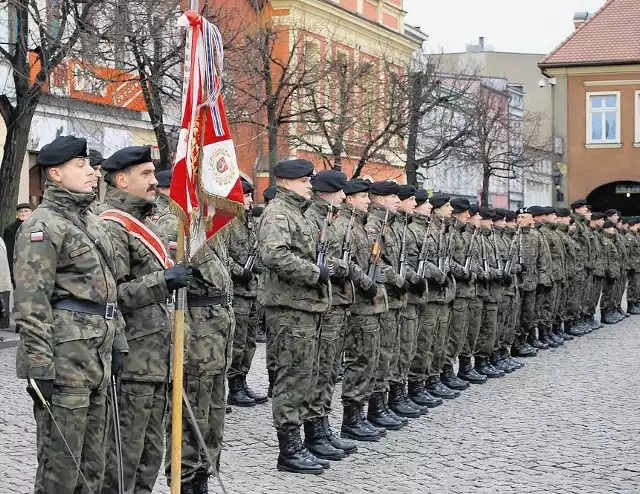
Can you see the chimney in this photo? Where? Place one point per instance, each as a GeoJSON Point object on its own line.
{"type": "Point", "coordinates": [481, 43]}
{"type": "Point", "coordinates": [580, 18]}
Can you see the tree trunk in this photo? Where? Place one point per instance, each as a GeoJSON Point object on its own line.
{"type": "Point", "coordinates": [411, 168]}
{"type": "Point", "coordinates": [15, 147]}
{"type": "Point", "coordinates": [273, 143]}
{"type": "Point", "coordinates": [163, 146]}
{"type": "Point", "coordinates": [358, 169]}
{"type": "Point", "coordinates": [337, 163]}
{"type": "Point", "coordinates": [484, 196]}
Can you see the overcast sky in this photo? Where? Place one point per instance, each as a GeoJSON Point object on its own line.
{"type": "Point", "coordinates": [507, 25]}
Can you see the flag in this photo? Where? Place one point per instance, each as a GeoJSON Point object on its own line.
{"type": "Point", "coordinates": [205, 186]}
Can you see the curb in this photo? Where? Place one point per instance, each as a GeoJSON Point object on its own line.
{"type": "Point", "coordinates": [8, 344]}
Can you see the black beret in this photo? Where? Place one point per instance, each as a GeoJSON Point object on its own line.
{"type": "Point", "coordinates": [95, 158]}
{"type": "Point", "coordinates": [549, 210]}
{"type": "Point", "coordinates": [610, 212]}
{"type": "Point", "coordinates": [124, 158]}
{"type": "Point", "coordinates": [608, 224]}
{"type": "Point", "coordinates": [440, 199]}
{"type": "Point", "coordinates": [523, 211]}
{"type": "Point", "coordinates": [406, 191]}
{"type": "Point", "coordinates": [328, 181]}
{"type": "Point", "coordinates": [384, 188]}
{"type": "Point", "coordinates": [164, 178]}
{"type": "Point", "coordinates": [23, 205]}
{"type": "Point", "coordinates": [596, 216]}
{"type": "Point", "coordinates": [421, 196]}
{"type": "Point", "coordinates": [486, 213]}
{"type": "Point", "coordinates": [356, 186]}
{"type": "Point", "coordinates": [474, 209]}
{"type": "Point", "coordinates": [460, 204]}
{"type": "Point", "coordinates": [538, 210]}
{"type": "Point", "coordinates": [633, 221]}
{"type": "Point", "coordinates": [247, 188]}
{"type": "Point", "coordinates": [61, 150]}
{"type": "Point", "coordinates": [511, 216]}
{"type": "Point", "coordinates": [563, 212]}
{"type": "Point", "coordinates": [578, 204]}
{"type": "Point", "coordinates": [293, 169]}
{"type": "Point", "coordinates": [499, 214]}
{"type": "Point", "coordinates": [257, 211]}
{"type": "Point", "coordinates": [269, 193]}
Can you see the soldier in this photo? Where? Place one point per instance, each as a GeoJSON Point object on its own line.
{"type": "Point", "coordinates": [242, 247]}
{"type": "Point", "coordinates": [23, 211]}
{"type": "Point", "coordinates": [328, 195]}
{"type": "Point", "coordinates": [362, 340]}
{"type": "Point", "coordinates": [146, 280]}
{"type": "Point", "coordinates": [564, 313]}
{"type": "Point", "coordinates": [613, 269]}
{"type": "Point", "coordinates": [294, 292]}
{"type": "Point", "coordinates": [95, 160]}
{"type": "Point", "coordinates": [545, 295]}
{"type": "Point", "coordinates": [261, 337]}
{"type": "Point", "coordinates": [599, 272]}
{"type": "Point", "coordinates": [466, 369]}
{"type": "Point", "coordinates": [623, 249]}
{"type": "Point", "coordinates": [633, 269]}
{"type": "Point", "coordinates": [163, 216]}
{"type": "Point", "coordinates": [612, 287]}
{"type": "Point", "coordinates": [584, 321]}
{"type": "Point", "coordinates": [70, 340]}
{"type": "Point", "coordinates": [460, 253]}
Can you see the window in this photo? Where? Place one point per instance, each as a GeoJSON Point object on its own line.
{"type": "Point", "coordinates": [637, 122]}
{"type": "Point", "coordinates": [603, 118]}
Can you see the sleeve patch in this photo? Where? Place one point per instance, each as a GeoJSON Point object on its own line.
{"type": "Point", "coordinates": [173, 245]}
{"type": "Point", "coordinates": [281, 217]}
{"type": "Point", "coordinates": [37, 236]}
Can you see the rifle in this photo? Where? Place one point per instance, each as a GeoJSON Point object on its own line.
{"type": "Point", "coordinates": [499, 262]}
{"type": "Point", "coordinates": [321, 258]}
{"type": "Point", "coordinates": [441, 246]}
{"type": "Point", "coordinates": [447, 251]}
{"type": "Point", "coordinates": [251, 260]}
{"type": "Point", "coordinates": [467, 259]}
{"type": "Point", "coordinates": [402, 271]}
{"type": "Point", "coordinates": [422, 256]}
{"type": "Point", "coordinates": [376, 250]}
{"type": "Point", "coordinates": [508, 263]}
{"type": "Point", "coordinates": [346, 245]}
{"type": "Point", "coordinates": [485, 260]}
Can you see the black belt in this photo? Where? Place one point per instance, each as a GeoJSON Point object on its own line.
{"type": "Point", "coordinates": [108, 311]}
{"type": "Point", "coordinates": [201, 301]}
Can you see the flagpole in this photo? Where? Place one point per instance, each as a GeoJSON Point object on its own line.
{"type": "Point", "coordinates": [178, 357]}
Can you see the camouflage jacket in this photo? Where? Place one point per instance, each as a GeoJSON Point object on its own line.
{"type": "Point", "coordinates": [613, 269]}
{"type": "Point", "coordinates": [623, 250]}
{"type": "Point", "coordinates": [56, 260]}
{"type": "Point", "coordinates": [508, 251]}
{"type": "Point", "coordinates": [167, 222]}
{"type": "Point", "coordinates": [362, 240]}
{"type": "Point", "coordinates": [142, 291]}
{"type": "Point", "coordinates": [585, 236]}
{"type": "Point", "coordinates": [442, 294]}
{"type": "Point", "coordinates": [287, 243]}
{"type": "Point", "coordinates": [391, 245]}
{"type": "Point", "coordinates": [418, 233]}
{"type": "Point", "coordinates": [633, 242]}
{"type": "Point", "coordinates": [490, 290]}
{"type": "Point", "coordinates": [569, 250]}
{"type": "Point", "coordinates": [596, 247]}
{"type": "Point", "coordinates": [465, 288]}
{"type": "Point", "coordinates": [471, 234]}
{"type": "Point", "coordinates": [580, 254]}
{"type": "Point", "coordinates": [556, 249]}
{"type": "Point", "coordinates": [529, 252]}
{"type": "Point", "coordinates": [242, 243]}
{"type": "Point", "coordinates": [544, 267]}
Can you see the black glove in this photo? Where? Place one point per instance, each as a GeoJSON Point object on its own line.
{"type": "Point", "coordinates": [523, 268]}
{"type": "Point", "coordinates": [371, 292]}
{"type": "Point", "coordinates": [405, 287]}
{"type": "Point", "coordinates": [323, 278]}
{"type": "Point", "coordinates": [506, 279]}
{"type": "Point", "coordinates": [245, 278]}
{"type": "Point", "coordinates": [418, 288]}
{"type": "Point", "coordinates": [257, 268]}
{"type": "Point", "coordinates": [3, 308]}
{"type": "Point", "coordinates": [464, 274]}
{"type": "Point", "coordinates": [117, 362]}
{"type": "Point", "coordinates": [46, 389]}
{"type": "Point", "coordinates": [177, 277]}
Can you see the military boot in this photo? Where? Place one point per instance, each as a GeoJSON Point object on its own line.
{"type": "Point", "coordinates": [228, 410]}
{"type": "Point", "coordinates": [522, 348]}
{"type": "Point", "coordinates": [419, 395]}
{"type": "Point", "coordinates": [261, 336]}
{"type": "Point", "coordinates": [200, 484]}
{"type": "Point", "coordinates": [363, 416]}
{"type": "Point", "coordinates": [484, 367]}
{"type": "Point", "coordinates": [622, 312]}
{"type": "Point", "coordinates": [535, 342]}
{"type": "Point", "coordinates": [353, 427]}
{"type": "Point", "coordinates": [187, 488]}
{"type": "Point", "coordinates": [390, 413]}
{"type": "Point", "coordinates": [501, 364]}
{"type": "Point", "coordinates": [257, 397]}
{"type": "Point", "coordinates": [468, 373]}
{"type": "Point", "coordinates": [593, 323]}
{"type": "Point", "coordinates": [608, 317]}
{"type": "Point", "coordinates": [572, 328]}
{"type": "Point", "coordinates": [545, 338]}
{"type": "Point", "coordinates": [237, 394]}
{"type": "Point", "coordinates": [562, 332]}
{"type": "Point", "coordinates": [558, 340]}
{"type": "Point", "coordinates": [346, 446]}
{"type": "Point", "coordinates": [317, 443]}
{"type": "Point", "coordinates": [436, 388]}
{"type": "Point", "coordinates": [272, 380]}
{"type": "Point", "coordinates": [405, 396]}
{"type": "Point", "coordinates": [377, 414]}
{"type": "Point", "coordinates": [450, 380]}
{"type": "Point", "coordinates": [506, 355]}
{"type": "Point", "coordinates": [293, 456]}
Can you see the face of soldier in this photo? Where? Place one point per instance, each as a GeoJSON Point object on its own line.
{"type": "Point", "coordinates": [524, 220]}
{"type": "Point", "coordinates": [360, 201]}
{"type": "Point", "coordinates": [248, 201]}
{"type": "Point", "coordinates": [96, 171]}
{"type": "Point", "coordinates": [424, 209]}
{"type": "Point", "coordinates": [444, 211]}
{"type": "Point", "coordinates": [334, 198]}
{"type": "Point", "coordinates": [615, 218]}
{"type": "Point", "coordinates": [301, 186]}
{"type": "Point", "coordinates": [634, 228]}
{"type": "Point", "coordinates": [552, 218]}
{"type": "Point", "coordinates": [462, 217]}
{"type": "Point", "coordinates": [584, 211]}
{"type": "Point", "coordinates": [500, 223]}
{"type": "Point", "coordinates": [390, 202]}
{"type": "Point", "coordinates": [565, 220]}
{"type": "Point", "coordinates": [488, 224]}
{"type": "Point", "coordinates": [572, 227]}
{"type": "Point", "coordinates": [600, 223]}
{"type": "Point", "coordinates": [475, 220]}
{"type": "Point", "coordinates": [162, 190]}
{"type": "Point", "coordinates": [139, 180]}
{"type": "Point", "coordinates": [408, 205]}
{"type": "Point", "coordinates": [23, 213]}
{"type": "Point", "coordinates": [511, 224]}
{"type": "Point", "coordinates": [75, 175]}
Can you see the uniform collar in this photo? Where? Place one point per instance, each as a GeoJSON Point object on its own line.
{"type": "Point", "coordinates": [289, 197]}
{"type": "Point", "coordinates": [136, 206]}
{"type": "Point", "coordinates": [69, 201]}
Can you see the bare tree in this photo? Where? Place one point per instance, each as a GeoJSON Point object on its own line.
{"type": "Point", "coordinates": [39, 40]}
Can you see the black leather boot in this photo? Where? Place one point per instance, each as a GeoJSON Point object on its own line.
{"type": "Point", "coordinates": [484, 367]}
{"type": "Point", "coordinates": [317, 443]}
{"type": "Point", "coordinates": [436, 388]}
{"type": "Point", "coordinates": [353, 427]}
{"type": "Point", "coordinates": [187, 488]}
{"type": "Point", "coordinates": [257, 397]}
{"type": "Point", "coordinates": [622, 312]}
{"type": "Point", "coordinates": [572, 328]}
{"type": "Point", "coordinates": [419, 395]}
{"type": "Point", "coordinates": [501, 364]}
{"type": "Point", "coordinates": [608, 317]}
{"type": "Point", "coordinates": [450, 380]}
{"type": "Point", "coordinates": [398, 405]}
{"type": "Point", "coordinates": [347, 446]}
{"type": "Point", "coordinates": [633, 308]}
{"type": "Point", "coordinates": [405, 396]}
{"type": "Point", "coordinates": [522, 349]}
{"type": "Point", "coordinates": [553, 334]}
{"type": "Point", "coordinates": [363, 416]}
{"type": "Point", "coordinates": [377, 416]}
{"type": "Point", "coordinates": [200, 484]}
{"type": "Point", "coordinates": [293, 456]}
{"type": "Point", "coordinates": [562, 331]}
{"type": "Point", "coordinates": [468, 373]}
{"type": "Point", "coordinates": [390, 413]}
{"type": "Point", "coordinates": [237, 394]}
{"type": "Point", "coordinates": [272, 380]}
{"type": "Point", "coordinates": [544, 337]}
{"type": "Point", "coordinates": [535, 342]}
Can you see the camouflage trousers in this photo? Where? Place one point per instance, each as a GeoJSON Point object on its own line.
{"type": "Point", "coordinates": [473, 327]}
{"type": "Point", "coordinates": [361, 355]}
{"type": "Point", "coordinates": [560, 289]}
{"type": "Point", "coordinates": [595, 294]}
{"type": "Point", "coordinates": [433, 321]}
{"type": "Point", "coordinates": [633, 291]}
{"type": "Point", "coordinates": [512, 322]}
{"type": "Point", "coordinates": [295, 362]}
{"type": "Point", "coordinates": [407, 341]}
{"type": "Point", "coordinates": [458, 329]}
{"type": "Point", "coordinates": [142, 406]}
{"type": "Point", "coordinates": [528, 318]}
{"type": "Point", "coordinates": [488, 330]}
{"type": "Point", "coordinates": [208, 357]}
{"type": "Point", "coordinates": [588, 286]}
{"type": "Point", "coordinates": [389, 349]}
{"type": "Point", "coordinates": [505, 311]}
{"type": "Point", "coordinates": [545, 305]}
{"type": "Point", "coordinates": [330, 346]}
{"type": "Point", "coordinates": [82, 417]}
{"type": "Point", "coordinates": [608, 294]}
{"type": "Point", "coordinates": [578, 296]}
{"type": "Point", "coordinates": [244, 336]}
{"type": "Point", "coordinates": [620, 287]}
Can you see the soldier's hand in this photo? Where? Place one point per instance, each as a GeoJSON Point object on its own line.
{"type": "Point", "coordinates": [371, 292]}
{"type": "Point", "coordinates": [381, 277]}
{"type": "Point", "coordinates": [440, 277]}
{"type": "Point", "coordinates": [506, 279]}
{"type": "Point", "coordinates": [419, 287]}
{"type": "Point", "coordinates": [323, 278]}
{"type": "Point", "coordinates": [46, 390]}
{"type": "Point", "coordinates": [257, 268]}
{"type": "Point", "coordinates": [405, 287]}
{"type": "Point", "coordinates": [3, 308]}
{"type": "Point", "coordinates": [177, 277]}
{"type": "Point", "coordinates": [117, 362]}
{"type": "Point", "coordinates": [519, 268]}
{"type": "Point", "coordinates": [246, 277]}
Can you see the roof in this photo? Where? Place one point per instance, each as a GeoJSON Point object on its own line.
{"type": "Point", "coordinates": [610, 37]}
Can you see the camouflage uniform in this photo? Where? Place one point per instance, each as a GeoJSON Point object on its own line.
{"type": "Point", "coordinates": [294, 302]}
{"type": "Point", "coordinates": [576, 291]}
{"type": "Point", "coordinates": [210, 324]}
{"type": "Point", "coordinates": [475, 303]}
{"type": "Point", "coordinates": [563, 312]}
{"type": "Point", "coordinates": [505, 308]}
{"type": "Point", "coordinates": [510, 313]}
{"type": "Point", "coordinates": [621, 284]}
{"type": "Point", "coordinates": [56, 262]}
{"type": "Point", "coordinates": [167, 222]}
{"type": "Point", "coordinates": [544, 292]}
{"type": "Point", "coordinates": [534, 274]}
{"type": "Point", "coordinates": [633, 269]}
{"type": "Point", "coordinates": [599, 264]}
{"type": "Point", "coordinates": [613, 271]}
{"type": "Point", "coordinates": [142, 298]}
{"type": "Point", "coordinates": [586, 278]}
{"type": "Point", "coordinates": [551, 305]}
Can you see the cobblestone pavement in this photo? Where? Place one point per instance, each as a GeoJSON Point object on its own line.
{"type": "Point", "coordinates": [567, 423]}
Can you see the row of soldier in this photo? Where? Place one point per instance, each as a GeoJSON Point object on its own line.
{"type": "Point", "coordinates": [377, 272]}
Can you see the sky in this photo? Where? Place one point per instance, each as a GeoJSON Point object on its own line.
{"type": "Point", "coordinates": [507, 25]}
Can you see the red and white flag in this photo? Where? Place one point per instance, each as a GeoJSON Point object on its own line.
{"type": "Point", "coordinates": [206, 182]}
